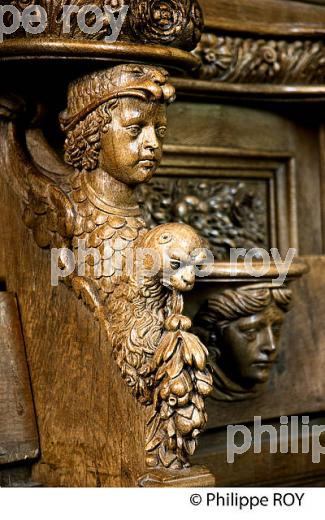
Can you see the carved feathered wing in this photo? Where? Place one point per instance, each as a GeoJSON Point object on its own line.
{"type": "Point", "coordinates": [48, 211]}
{"type": "Point", "coordinates": [61, 214]}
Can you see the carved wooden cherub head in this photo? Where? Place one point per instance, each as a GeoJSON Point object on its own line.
{"type": "Point", "coordinates": [242, 330]}
{"type": "Point", "coordinates": [176, 250]}
{"type": "Point", "coordinates": [116, 121]}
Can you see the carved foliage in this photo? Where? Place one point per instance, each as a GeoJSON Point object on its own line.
{"type": "Point", "coordinates": [247, 60]}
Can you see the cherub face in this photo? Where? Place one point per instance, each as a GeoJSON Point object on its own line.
{"type": "Point", "coordinates": [131, 147]}
{"type": "Point", "coordinates": [180, 254]}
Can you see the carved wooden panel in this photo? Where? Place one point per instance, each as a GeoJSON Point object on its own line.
{"type": "Point", "coordinates": [256, 144]}
{"type": "Point", "coordinates": [232, 197]}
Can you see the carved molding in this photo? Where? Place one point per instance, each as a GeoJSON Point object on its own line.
{"type": "Point", "coordinates": [249, 60]}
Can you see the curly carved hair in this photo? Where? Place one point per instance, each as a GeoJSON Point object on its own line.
{"type": "Point", "coordinates": [82, 144]}
{"type": "Point", "coordinates": [231, 305]}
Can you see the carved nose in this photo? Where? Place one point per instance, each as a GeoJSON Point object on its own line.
{"type": "Point", "coordinates": [269, 345]}
{"type": "Point", "coordinates": [150, 139]}
{"type": "Point", "coordinates": [188, 276]}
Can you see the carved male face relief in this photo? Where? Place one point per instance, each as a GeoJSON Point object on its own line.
{"type": "Point", "coordinates": [131, 148]}
{"type": "Point", "coordinates": [251, 346]}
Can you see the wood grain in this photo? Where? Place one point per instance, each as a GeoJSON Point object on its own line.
{"type": "Point", "coordinates": [82, 405]}
{"type": "Point", "coordinates": [259, 17]}
{"type": "Point", "coordinates": [264, 468]}
{"type": "Point", "coordinates": [18, 431]}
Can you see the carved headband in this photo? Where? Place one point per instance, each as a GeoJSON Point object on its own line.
{"type": "Point", "coordinates": [163, 93]}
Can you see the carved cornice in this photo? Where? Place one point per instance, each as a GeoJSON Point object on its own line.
{"type": "Point", "coordinates": [251, 60]}
{"type": "Point", "coordinates": [163, 22]}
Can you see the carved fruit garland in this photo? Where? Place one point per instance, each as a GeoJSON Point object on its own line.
{"type": "Point", "coordinates": [182, 381]}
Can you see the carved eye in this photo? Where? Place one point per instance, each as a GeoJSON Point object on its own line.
{"type": "Point", "coordinates": [161, 131]}
{"type": "Point", "coordinates": [134, 130]}
{"type": "Point", "coordinates": [250, 334]}
{"type": "Point", "coordinates": [165, 238]}
{"type": "Point", "coordinates": [175, 264]}
{"type": "Point", "coordinates": [276, 329]}
{"type": "Point", "coordinates": [201, 267]}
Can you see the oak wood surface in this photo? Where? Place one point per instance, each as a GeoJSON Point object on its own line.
{"type": "Point", "coordinates": [251, 468]}
{"type": "Point", "coordinates": [275, 17]}
{"type": "Point", "coordinates": [91, 429]}
{"type": "Point", "coordinates": [18, 431]}
{"type": "Point", "coordinates": [261, 130]}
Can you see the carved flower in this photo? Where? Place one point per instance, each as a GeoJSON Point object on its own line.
{"type": "Point", "coordinates": [158, 20]}
{"type": "Point", "coordinates": [217, 56]}
{"type": "Point", "coordinates": [163, 15]}
{"type": "Point", "coordinates": [114, 4]}
{"type": "Point", "coordinates": [270, 56]}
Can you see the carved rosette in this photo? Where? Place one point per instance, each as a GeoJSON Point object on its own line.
{"type": "Point", "coordinates": [177, 23]}
{"type": "Point", "coordinates": [248, 60]}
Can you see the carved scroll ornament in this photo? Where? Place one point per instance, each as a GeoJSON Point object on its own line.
{"type": "Point", "coordinates": [248, 60]}
{"type": "Point", "coordinates": [241, 328]}
{"type": "Point", "coordinates": [115, 123]}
